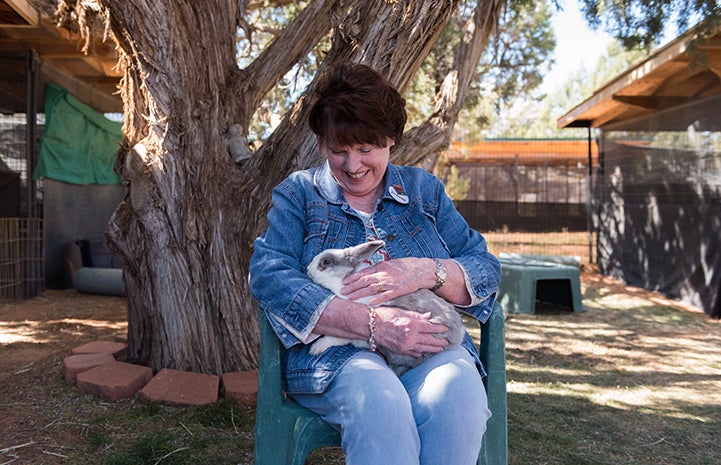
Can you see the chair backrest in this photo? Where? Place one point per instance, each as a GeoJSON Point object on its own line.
{"type": "Point", "coordinates": [285, 432]}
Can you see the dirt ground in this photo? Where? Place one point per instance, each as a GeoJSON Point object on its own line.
{"type": "Point", "coordinates": [35, 335]}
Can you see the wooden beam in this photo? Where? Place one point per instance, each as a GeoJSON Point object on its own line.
{"type": "Point", "coordinates": [650, 102]}
{"type": "Point", "coordinates": [643, 74]}
{"type": "Point", "coordinates": [26, 11]}
{"type": "Point", "coordinates": [716, 70]}
{"type": "Point", "coordinates": [90, 94]}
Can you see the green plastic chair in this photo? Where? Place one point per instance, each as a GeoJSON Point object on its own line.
{"type": "Point", "coordinates": [286, 433]}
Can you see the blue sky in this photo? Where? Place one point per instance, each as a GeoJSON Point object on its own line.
{"type": "Point", "coordinates": [577, 46]}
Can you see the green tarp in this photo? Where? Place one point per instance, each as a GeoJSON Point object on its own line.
{"type": "Point", "coordinates": [80, 145]}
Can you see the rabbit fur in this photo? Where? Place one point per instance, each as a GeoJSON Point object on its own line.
{"type": "Point", "coordinates": [328, 269]}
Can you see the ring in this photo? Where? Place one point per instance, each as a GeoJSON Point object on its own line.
{"type": "Point", "coordinates": [379, 288]}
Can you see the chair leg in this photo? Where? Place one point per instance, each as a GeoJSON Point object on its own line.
{"type": "Point", "coordinates": [494, 450]}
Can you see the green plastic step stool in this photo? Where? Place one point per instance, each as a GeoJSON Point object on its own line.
{"type": "Point", "coordinates": [286, 433]}
{"type": "Point", "coordinates": [523, 280]}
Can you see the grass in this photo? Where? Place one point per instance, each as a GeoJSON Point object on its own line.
{"type": "Point", "coordinates": [134, 434]}
{"type": "Point", "coordinates": [560, 243]}
{"type": "Point", "coordinates": [630, 381]}
{"type": "Point", "coordinates": [635, 379]}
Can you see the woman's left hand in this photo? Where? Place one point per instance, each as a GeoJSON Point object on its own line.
{"type": "Point", "coordinates": [390, 279]}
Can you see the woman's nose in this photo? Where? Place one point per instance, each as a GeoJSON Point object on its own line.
{"type": "Point", "coordinates": [353, 160]}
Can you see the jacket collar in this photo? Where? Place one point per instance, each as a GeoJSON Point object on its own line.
{"type": "Point", "coordinates": [394, 188]}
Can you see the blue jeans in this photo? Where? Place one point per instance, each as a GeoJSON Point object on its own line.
{"type": "Point", "coordinates": [434, 414]}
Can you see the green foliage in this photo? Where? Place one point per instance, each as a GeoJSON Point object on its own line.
{"type": "Point", "coordinates": [503, 99]}
{"type": "Point", "coordinates": [514, 63]}
{"type": "Point", "coordinates": [519, 55]}
{"type": "Point", "coordinates": [641, 23]}
{"type": "Point", "coordinates": [457, 186]}
{"type": "Point", "coordinates": [638, 26]}
{"type": "Point", "coordinates": [263, 25]}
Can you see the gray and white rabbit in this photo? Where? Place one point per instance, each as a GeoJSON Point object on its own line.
{"type": "Point", "coordinates": [328, 269]}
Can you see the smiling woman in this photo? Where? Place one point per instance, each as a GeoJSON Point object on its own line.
{"type": "Point", "coordinates": [357, 196]}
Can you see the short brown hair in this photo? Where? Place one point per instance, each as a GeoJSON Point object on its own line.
{"type": "Point", "coordinates": [356, 105]}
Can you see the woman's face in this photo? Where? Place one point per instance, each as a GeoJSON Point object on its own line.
{"type": "Point", "coordinates": [359, 168]}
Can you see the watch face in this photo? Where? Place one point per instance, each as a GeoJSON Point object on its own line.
{"type": "Point", "coordinates": [442, 272]}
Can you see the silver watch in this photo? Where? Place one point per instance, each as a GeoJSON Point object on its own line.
{"type": "Point", "coordinates": [440, 275]}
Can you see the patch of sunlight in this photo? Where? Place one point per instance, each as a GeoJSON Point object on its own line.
{"type": "Point", "coordinates": [7, 337]}
{"type": "Point", "coordinates": [620, 301]}
{"type": "Point", "coordinates": [38, 332]}
{"type": "Point", "coordinates": [15, 332]}
{"type": "Point", "coordinates": [542, 370]}
{"type": "Point", "coordinates": [93, 323]}
{"type": "Point", "coordinates": [670, 401]}
{"type": "Point", "coordinates": [667, 400]}
{"type": "Point", "coordinates": [517, 325]}
{"type": "Point", "coordinates": [555, 389]}
{"type": "Point", "coordinates": [543, 334]}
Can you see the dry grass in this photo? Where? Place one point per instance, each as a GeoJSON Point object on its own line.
{"type": "Point", "coordinates": [636, 379]}
{"type": "Point", "coordinates": [573, 244]}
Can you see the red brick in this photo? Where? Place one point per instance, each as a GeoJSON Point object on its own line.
{"type": "Point", "coordinates": [241, 387]}
{"type": "Point", "coordinates": [74, 364]}
{"type": "Point", "coordinates": [181, 388]}
{"type": "Point", "coordinates": [100, 347]}
{"type": "Point", "coordinates": [114, 380]}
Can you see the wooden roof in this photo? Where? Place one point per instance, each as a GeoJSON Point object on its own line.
{"type": "Point", "coordinates": [671, 76]}
{"type": "Point", "coordinates": [527, 151]}
{"type": "Point", "coordinates": [91, 78]}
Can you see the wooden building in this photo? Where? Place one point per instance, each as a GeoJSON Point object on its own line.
{"type": "Point", "coordinates": [657, 205]}
{"type": "Point", "coordinates": [525, 185]}
{"type": "Point", "coordinates": [45, 214]}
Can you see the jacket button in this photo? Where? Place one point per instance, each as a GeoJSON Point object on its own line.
{"type": "Point", "coordinates": [390, 237]}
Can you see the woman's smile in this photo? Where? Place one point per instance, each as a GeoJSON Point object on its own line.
{"type": "Point", "coordinates": [358, 175]}
{"type": "Point", "coordinates": [359, 168]}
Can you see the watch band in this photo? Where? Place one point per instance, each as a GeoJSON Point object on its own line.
{"type": "Point", "coordinates": [440, 275]}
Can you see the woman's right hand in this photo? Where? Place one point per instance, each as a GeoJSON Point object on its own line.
{"type": "Point", "coordinates": [408, 332]}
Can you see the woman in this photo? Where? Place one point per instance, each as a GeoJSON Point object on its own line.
{"type": "Point", "coordinates": [435, 413]}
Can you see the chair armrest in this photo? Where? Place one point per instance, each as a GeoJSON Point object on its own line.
{"type": "Point", "coordinates": [493, 356]}
{"type": "Point", "coordinates": [270, 384]}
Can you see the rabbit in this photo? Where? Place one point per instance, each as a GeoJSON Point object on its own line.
{"type": "Point", "coordinates": [328, 269]}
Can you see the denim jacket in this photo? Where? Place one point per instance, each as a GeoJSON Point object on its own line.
{"type": "Point", "coordinates": [309, 214]}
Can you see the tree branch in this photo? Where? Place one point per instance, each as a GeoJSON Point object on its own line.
{"type": "Point", "coordinates": [424, 143]}
{"type": "Point", "coordinates": [392, 37]}
{"type": "Point", "coordinates": [296, 41]}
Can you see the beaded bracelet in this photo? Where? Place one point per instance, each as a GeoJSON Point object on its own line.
{"type": "Point", "coordinates": [372, 326]}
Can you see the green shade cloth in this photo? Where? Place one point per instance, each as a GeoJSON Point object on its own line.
{"type": "Point", "coordinates": [80, 145]}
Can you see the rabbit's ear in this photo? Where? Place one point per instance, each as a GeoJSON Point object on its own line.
{"type": "Point", "coordinates": [363, 251]}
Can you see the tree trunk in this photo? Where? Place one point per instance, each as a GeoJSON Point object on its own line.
{"type": "Point", "coordinates": [186, 226]}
